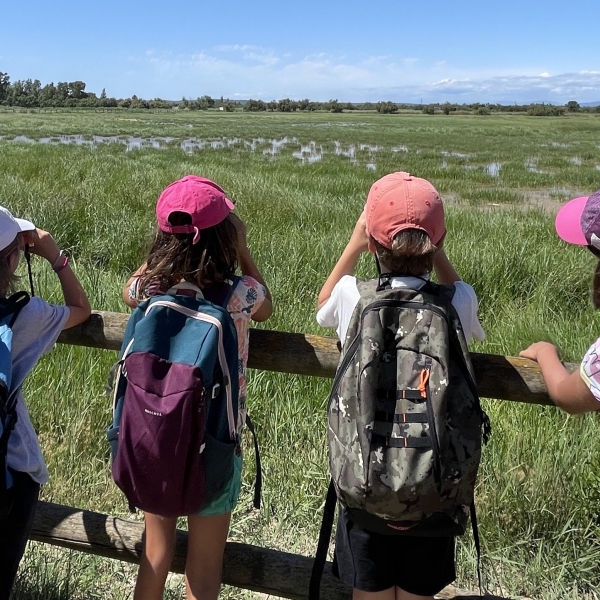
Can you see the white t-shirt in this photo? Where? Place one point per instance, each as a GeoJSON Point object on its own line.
{"type": "Point", "coordinates": [590, 369]}
{"type": "Point", "coordinates": [35, 332]}
{"type": "Point", "coordinates": [338, 309]}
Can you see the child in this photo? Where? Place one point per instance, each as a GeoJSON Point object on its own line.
{"type": "Point", "coordinates": [35, 331]}
{"type": "Point", "coordinates": [201, 242]}
{"type": "Point", "coordinates": [403, 225]}
{"type": "Point", "coordinates": [577, 222]}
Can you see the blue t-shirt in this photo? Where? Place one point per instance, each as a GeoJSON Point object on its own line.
{"type": "Point", "coordinates": [34, 333]}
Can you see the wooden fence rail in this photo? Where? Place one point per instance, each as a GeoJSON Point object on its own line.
{"type": "Point", "coordinates": [245, 566]}
{"type": "Point", "coordinates": [500, 377]}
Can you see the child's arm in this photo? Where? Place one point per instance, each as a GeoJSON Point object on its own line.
{"type": "Point", "coordinates": [132, 302]}
{"type": "Point", "coordinates": [249, 268]}
{"type": "Point", "coordinates": [42, 243]}
{"type": "Point", "coordinates": [444, 269]}
{"type": "Point", "coordinates": [567, 390]}
{"type": "Point", "coordinates": [358, 243]}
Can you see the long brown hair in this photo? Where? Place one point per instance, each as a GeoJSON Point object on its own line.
{"type": "Point", "coordinates": [174, 258]}
{"type": "Point", "coordinates": [596, 286]}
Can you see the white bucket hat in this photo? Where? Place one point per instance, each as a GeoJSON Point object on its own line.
{"type": "Point", "coordinates": [10, 227]}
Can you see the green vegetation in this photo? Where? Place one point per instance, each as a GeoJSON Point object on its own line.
{"type": "Point", "coordinates": [502, 179]}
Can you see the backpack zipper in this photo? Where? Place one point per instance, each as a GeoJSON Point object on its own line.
{"type": "Point", "coordinates": [188, 312]}
{"type": "Point", "coordinates": [374, 306]}
{"type": "Point", "coordinates": [435, 445]}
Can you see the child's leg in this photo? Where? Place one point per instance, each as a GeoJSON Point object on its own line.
{"type": "Point", "coordinates": [15, 528]}
{"type": "Point", "coordinates": [389, 594]}
{"type": "Point", "coordinates": [394, 593]}
{"type": "Point", "coordinates": [403, 595]}
{"type": "Point", "coordinates": [204, 562]}
{"type": "Point", "coordinates": [157, 555]}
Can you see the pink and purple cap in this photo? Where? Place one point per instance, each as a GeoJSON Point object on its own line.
{"type": "Point", "coordinates": [578, 221]}
{"type": "Point", "coordinates": [198, 197]}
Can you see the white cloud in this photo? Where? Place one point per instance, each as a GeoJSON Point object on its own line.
{"type": "Point", "coordinates": [268, 74]}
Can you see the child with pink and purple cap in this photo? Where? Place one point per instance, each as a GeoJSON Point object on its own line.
{"type": "Point", "coordinates": [577, 222]}
{"type": "Point", "coordinates": [198, 245]}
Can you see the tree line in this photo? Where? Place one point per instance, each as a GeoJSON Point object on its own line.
{"type": "Point", "coordinates": [29, 93]}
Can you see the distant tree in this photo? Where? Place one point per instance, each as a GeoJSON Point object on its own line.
{"type": "Point", "coordinates": [4, 86]}
{"type": "Point", "coordinates": [286, 105]}
{"type": "Point", "coordinates": [255, 106]}
{"type": "Point", "coordinates": [103, 94]}
{"type": "Point", "coordinates": [447, 108]}
{"type": "Point", "coordinates": [572, 106]}
{"type": "Point", "coordinates": [483, 110]}
{"type": "Point", "coordinates": [303, 104]}
{"type": "Point", "coordinates": [205, 102]}
{"type": "Point", "coordinates": [334, 106]}
{"type": "Point", "coordinates": [428, 109]}
{"type": "Point", "coordinates": [545, 110]}
{"type": "Point", "coordinates": [77, 89]}
{"type": "Point", "coordinates": [386, 108]}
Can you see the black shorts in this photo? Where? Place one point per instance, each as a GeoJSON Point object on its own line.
{"type": "Point", "coordinates": [372, 562]}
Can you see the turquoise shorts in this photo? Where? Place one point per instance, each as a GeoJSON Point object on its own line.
{"type": "Point", "coordinates": [225, 502]}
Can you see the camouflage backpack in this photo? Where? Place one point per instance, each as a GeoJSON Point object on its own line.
{"type": "Point", "coordinates": [405, 424]}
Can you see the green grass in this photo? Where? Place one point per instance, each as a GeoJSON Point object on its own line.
{"type": "Point", "coordinates": [540, 479]}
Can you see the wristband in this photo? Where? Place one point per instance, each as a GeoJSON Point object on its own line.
{"type": "Point", "coordinates": [61, 262]}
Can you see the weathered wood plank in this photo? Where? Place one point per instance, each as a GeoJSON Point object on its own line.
{"type": "Point", "coordinates": [250, 567]}
{"type": "Point", "coordinates": [500, 377]}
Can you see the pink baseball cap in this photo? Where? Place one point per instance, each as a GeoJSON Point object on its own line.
{"type": "Point", "coordinates": [200, 198]}
{"type": "Point", "coordinates": [401, 201]}
{"type": "Point", "coordinates": [578, 221]}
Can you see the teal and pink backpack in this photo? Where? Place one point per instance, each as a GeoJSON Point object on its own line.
{"type": "Point", "coordinates": [175, 407]}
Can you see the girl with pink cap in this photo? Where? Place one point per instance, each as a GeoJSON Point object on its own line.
{"type": "Point", "coordinates": [577, 222]}
{"type": "Point", "coordinates": [199, 244]}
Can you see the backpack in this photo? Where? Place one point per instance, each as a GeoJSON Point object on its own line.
{"type": "Point", "coordinates": [405, 424]}
{"type": "Point", "coordinates": [175, 403]}
{"type": "Point", "coordinates": [9, 310]}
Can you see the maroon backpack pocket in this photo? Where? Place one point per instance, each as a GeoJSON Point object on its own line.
{"type": "Point", "coordinates": [160, 459]}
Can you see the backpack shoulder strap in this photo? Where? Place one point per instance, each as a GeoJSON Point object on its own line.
{"type": "Point", "coordinates": [314, 587]}
{"type": "Point", "coordinates": [13, 306]}
{"type": "Point", "coordinates": [233, 283]}
{"type": "Point", "coordinates": [445, 291]}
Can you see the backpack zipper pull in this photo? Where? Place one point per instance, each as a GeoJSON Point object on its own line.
{"type": "Point", "coordinates": [423, 383]}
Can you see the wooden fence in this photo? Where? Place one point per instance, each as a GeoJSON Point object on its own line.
{"type": "Point", "coordinates": [245, 566]}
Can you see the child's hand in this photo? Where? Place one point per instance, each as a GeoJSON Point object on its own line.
{"type": "Point", "coordinates": [539, 350]}
{"type": "Point", "coordinates": [359, 238]}
{"type": "Point", "coordinates": [40, 242]}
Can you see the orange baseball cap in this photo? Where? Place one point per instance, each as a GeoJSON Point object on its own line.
{"type": "Point", "coordinates": [401, 201]}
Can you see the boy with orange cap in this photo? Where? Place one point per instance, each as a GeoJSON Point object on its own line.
{"type": "Point", "coordinates": [403, 226]}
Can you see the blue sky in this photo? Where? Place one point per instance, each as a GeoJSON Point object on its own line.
{"type": "Point", "coordinates": [429, 51]}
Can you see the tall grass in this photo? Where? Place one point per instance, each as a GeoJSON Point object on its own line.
{"type": "Point", "coordinates": [539, 489]}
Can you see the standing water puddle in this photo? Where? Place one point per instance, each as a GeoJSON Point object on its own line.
{"type": "Point", "coordinates": [493, 169]}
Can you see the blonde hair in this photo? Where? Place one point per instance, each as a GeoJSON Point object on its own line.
{"type": "Point", "coordinates": [8, 279]}
{"type": "Point", "coordinates": [411, 253]}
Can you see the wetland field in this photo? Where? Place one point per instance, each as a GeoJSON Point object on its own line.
{"type": "Point", "coordinates": [299, 182]}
